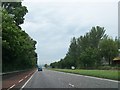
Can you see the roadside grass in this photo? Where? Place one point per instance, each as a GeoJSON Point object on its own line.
{"type": "Point", "coordinates": [107, 74]}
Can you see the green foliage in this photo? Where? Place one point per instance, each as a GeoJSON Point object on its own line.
{"type": "Point", "coordinates": [54, 65]}
{"type": "Point", "coordinates": [108, 49]}
{"type": "Point", "coordinates": [95, 36]}
{"type": "Point", "coordinates": [89, 58]}
{"type": "Point", "coordinates": [109, 74]}
{"type": "Point", "coordinates": [45, 65]}
{"type": "Point", "coordinates": [88, 51]}
{"type": "Point", "coordinates": [16, 10]}
{"type": "Point", "coordinates": [18, 47]}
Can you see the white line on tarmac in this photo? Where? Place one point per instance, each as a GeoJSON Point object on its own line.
{"type": "Point", "coordinates": [11, 87]}
{"type": "Point", "coordinates": [27, 81]}
{"type": "Point", "coordinates": [26, 76]}
{"type": "Point", "coordinates": [21, 80]}
{"type": "Point", "coordinates": [88, 76]}
{"type": "Point", "coordinates": [71, 85]}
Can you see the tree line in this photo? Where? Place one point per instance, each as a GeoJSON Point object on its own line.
{"type": "Point", "coordinates": [18, 48]}
{"type": "Point", "coordinates": [92, 50]}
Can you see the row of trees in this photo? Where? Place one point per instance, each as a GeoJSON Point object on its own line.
{"type": "Point", "coordinates": [18, 48]}
{"type": "Point", "coordinates": [92, 50]}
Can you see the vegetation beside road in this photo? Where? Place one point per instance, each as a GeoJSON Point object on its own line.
{"type": "Point", "coordinates": [92, 54]}
{"type": "Point", "coordinates": [108, 74]}
{"type": "Point", "coordinates": [91, 51]}
{"type": "Point", "coordinates": [17, 46]}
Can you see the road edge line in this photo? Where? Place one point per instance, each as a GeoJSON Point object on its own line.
{"type": "Point", "coordinates": [27, 81]}
{"type": "Point", "coordinates": [88, 76]}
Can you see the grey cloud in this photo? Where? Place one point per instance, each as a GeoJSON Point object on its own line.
{"type": "Point", "coordinates": [53, 26]}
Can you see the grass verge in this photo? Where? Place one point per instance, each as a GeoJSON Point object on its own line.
{"type": "Point", "coordinates": [107, 74]}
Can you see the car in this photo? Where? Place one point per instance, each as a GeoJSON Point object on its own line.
{"type": "Point", "coordinates": [39, 68]}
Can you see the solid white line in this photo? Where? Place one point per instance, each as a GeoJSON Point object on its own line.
{"type": "Point", "coordinates": [21, 80]}
{"type": "Point", "coordinates": [11, 87]}
{"type": "Point", "coordinates": [88, 76]}
{"type": "Point", "coordinates": [96, 78]}
{"type": "Point", "coordinates": [27, 81]}
{"type": "Point", "coordinates": [102, 79]}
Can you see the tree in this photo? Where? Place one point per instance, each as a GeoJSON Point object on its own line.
{"type": "Point", "coordinates": [17, 46]}
{"type": "Point", "coordinates": [95, 35]}
{"type": "Point", "coordinates": [108, 48]}
{"type": "Point", "coordinates": [89, 49]}
{"type": "Point", "coordinates": [72, 53]}
{"type": "Point", "coordinates": [16, 10]}
{"type": "Point", "coordinates": [89, 58]}
{"type": "Point", "coordinates": [54, 65]}
{"type": "Point", "coordinates": [90, 41]}
{"type": "Point", "coordinates": [45, 65]}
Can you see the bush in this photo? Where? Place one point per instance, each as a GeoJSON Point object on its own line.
{"type": "Point", "coordinates": [109, 68]}
{"type": "Point", "coordinates": [105, 67]}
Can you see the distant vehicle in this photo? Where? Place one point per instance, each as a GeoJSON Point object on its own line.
{"type": "Point", "coordinates": [39, 68]}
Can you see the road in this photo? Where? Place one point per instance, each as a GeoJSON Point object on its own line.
{"type": "Point", "coordinates": [16, 79]}
{"type": "Point", "coordinates": [55, 79]}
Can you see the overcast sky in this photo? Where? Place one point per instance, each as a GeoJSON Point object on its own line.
{"type": "Point", "coordinates": [52, 23]}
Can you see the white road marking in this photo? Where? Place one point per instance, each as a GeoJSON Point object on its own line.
{"type": "Point", "coordinates": [21, 80]}
{"type": "Point", "coordinates": [71, 85]}
{"type": "Point", "coordinates": [102, 79]}
{"type": "Point", "coordinates": [11, 87]}
{"type": "Point", "coordinates": [27, 81]}
{"type": "Point", "coordinates": [88, 76]}
{"type": "Point", "coordinates": [26, 76]}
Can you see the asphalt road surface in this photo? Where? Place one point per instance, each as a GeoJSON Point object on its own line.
{"type": "Point", "coordinates": [54, 79]}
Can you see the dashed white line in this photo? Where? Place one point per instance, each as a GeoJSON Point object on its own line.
{"type": "Point", "coordinates": [27, 81]}
{"type": "Point", "coordinates": [21, 80]}
{"type": "Point", "coordinates": [11, 87]}
{"type": "Point", "coordinates": [26, 76]}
